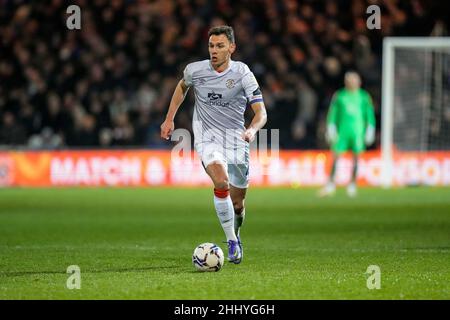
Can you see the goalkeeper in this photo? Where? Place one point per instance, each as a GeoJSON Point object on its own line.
{"type": "Point", "coordinates": [350, 127]}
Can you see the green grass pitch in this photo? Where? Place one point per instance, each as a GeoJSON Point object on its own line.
{"type": "Point", "coordinates": [137, 244]}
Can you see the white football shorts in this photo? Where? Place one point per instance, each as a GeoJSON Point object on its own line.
{"type": "Point", "coordinates": [235, 160]}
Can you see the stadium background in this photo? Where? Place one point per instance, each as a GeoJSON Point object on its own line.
{"type": "Point", "coordinates": [108, 85]}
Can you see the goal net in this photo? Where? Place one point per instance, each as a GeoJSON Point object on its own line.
{"type": "Point", "coordinates": [415, 98]}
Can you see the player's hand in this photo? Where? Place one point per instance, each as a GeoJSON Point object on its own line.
{"type": "Point", "coordinates": [167, 128]}
{"type": "Point", "coordinates": [369, 139]}
{"type": "Point", "coordinates": [249, 135]}
{"type": "Point", "coordinates": [331, 135]}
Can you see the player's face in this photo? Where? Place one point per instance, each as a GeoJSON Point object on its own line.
{"type": "Point", "coordinates": [220, 49]}
{"type": "Point", "coordinates": [352, 81]}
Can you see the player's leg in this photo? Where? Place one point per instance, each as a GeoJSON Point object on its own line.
{"type": "Point", "coordinates": [357, 148]}
{"type": "Point", "coordinates": [224, 206]}
{"type": "Point", "coordinates": [222, 198]}
{"type": "Point", "coordinates": [339, 147]}
{"type": "Point", "coordinates": [330, 188]}
{"type": "Point", "coordinates": [238, 198]}
{"type": "Point", "coordinates": [355, 167]}
{"type": "Point", "coordinates": [351, 188]}
{"type": "Point", "coordinates": [239, 181]}
{"type": "Point", "coordinates": [238, 171]}
{"type": "Point", "coordinates": [333, 168]}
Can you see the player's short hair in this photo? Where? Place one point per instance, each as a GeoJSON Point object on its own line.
{"type": "Point", "coordinates": [352, 73]}
{"type": "Point", "coordinates": [226, 30]}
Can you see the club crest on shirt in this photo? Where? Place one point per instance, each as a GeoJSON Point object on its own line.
{"type": "Point", "coordinates": [230, 83]}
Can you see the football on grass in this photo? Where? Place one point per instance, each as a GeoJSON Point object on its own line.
{"type": "Point", "coordinates": [208, 257]}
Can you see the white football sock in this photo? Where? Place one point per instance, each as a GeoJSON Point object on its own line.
{"type": "Point", "coordinates": [225, 212]}
{"type": "Point", "coordinates": [238, 221]}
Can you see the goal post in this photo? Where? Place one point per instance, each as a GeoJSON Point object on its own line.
{"type": "Point", "coordinates": [415, 91]}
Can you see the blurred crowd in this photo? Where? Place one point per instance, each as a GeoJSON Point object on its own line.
{"type": "Point", "coordinates": [110, 83]}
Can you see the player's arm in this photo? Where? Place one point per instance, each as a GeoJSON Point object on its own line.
{"type": "Point", "coordinates": [256, 102]}
{"type": "Point", "coordinates": [331, 134]}
{"type": "Point", "coordinates": [370, 121]}
{"type": "Point", "coordinates": [178, 96]}
{"type": "Point", "coordinates": [258, 121]}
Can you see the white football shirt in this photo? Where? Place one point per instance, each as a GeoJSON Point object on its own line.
{"type": "Point", "coordinates": [220, 101]}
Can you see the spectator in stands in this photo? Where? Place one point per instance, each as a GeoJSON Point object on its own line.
{"type": "Point", "coordinates": [11, 132]}
{"type": "Point", "coordinates": [92, 87]}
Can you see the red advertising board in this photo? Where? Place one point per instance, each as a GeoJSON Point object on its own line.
{"type": "Point", "coordinates": [156, 168]}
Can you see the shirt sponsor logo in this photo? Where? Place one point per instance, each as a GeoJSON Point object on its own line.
{"type": "Point", "coordinates": [214, 96]}
{"type": "Point", "coordinates": [215, 99]}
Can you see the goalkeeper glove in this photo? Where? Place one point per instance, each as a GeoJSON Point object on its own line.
{"type": "Point", "coordinates": [331, 135]}
{"type": "Point", "coordinates": [370, 135]}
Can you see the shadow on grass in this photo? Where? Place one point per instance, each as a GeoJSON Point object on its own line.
{"type": "Point", "coordinates": [431, 249]}
{"type": "Point", "coordinates": [84, 271]}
